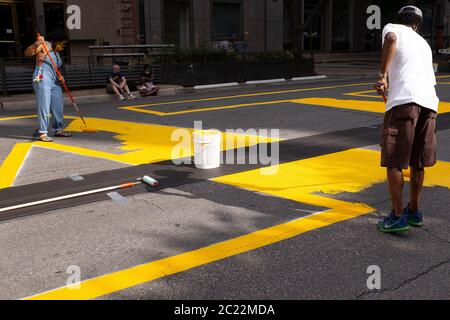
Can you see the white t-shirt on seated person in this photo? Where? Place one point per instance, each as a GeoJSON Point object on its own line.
{"type": "Point", "coordinates": [411, 73]}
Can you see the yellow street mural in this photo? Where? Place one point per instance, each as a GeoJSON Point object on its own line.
{"type": "Point", "coordinates": [316, 181]}
{"type": "Point", "coordinates": [140, 144]}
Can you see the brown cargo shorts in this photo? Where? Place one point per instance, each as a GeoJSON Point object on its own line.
{"type": "Point", "coordinates": [409, 137]}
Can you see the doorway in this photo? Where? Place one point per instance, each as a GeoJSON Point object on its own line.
{"type": "Point", "coordinates": [177, 23]}
{"type": "Point", "coordinates": [16, 28]}
{"type": "Point", "coordinates": [313, 36]}
{"type": "Point", "coordinates": [7, 34]}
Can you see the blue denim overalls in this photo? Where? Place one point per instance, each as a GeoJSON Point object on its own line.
{"type": "Point", "coordinates": [49, 97]}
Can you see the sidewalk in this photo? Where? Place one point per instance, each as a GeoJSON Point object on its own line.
{"type": "Point", "coordinates": [25, 100]}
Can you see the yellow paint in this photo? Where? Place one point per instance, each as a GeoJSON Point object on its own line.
{"type": "Point", "coordinates": [366, 94]}
{"type": "Point", "coordinates": [164, 114]}
{"type": "Point", "coordinates": [348, 171]}
{"type": "Point", "coordinates": [299, 181]}
{"type": "Point", "coordinates": [110, 283]}
{"type": "Point", "coordinates": [360, 105]}
{"type": "Point", "coordinates": [12, 164]}
{"type": "Point", "coordinates": [439, 175]}
{"type": "Point", "coordinates": [302, 180]}
{"type": "Point", "coordinates": [139, 108]}
{"type": "Point", "coordinates": [147, 143]}
{"type": "Point", "coordinates": [141, 144]}
{"type": "Point", "coordinates": [18, 118]}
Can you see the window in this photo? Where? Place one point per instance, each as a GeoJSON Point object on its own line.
{"type": "Point", "coordinates": [340, 34]}
{"type": "Point", "coordinates": [226, 20]}
{"type": "Point", "coordinates": [141, 14]}
{"type": "Point", "coordinates": [7, 39]}
{"type": "Point", "coordinates": [54, 20]}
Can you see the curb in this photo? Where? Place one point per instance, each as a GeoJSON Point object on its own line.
{"type": "Point", "coordinates": [215, 86]}
{"type": "Point", "coordinates": [266, 81]}
{"type": "Point", "coordinates": [321, 77]}
{"type": "Point", "coordinates": [94, 98]}
{"type": "Point", "coordinates": [257, 82]}
{"type": "Point", "coordinates": [82, 99]}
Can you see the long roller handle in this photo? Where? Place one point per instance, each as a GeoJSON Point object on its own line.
{"type": "Point", "coordinates": [57, 70]}
{"type": "Point", "coordinates": [63, 82]}
{"type": "Point", "coordinates": [70, 196]}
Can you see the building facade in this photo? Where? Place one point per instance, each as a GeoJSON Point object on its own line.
{"type": "Point", "coordinates": [263, 25]}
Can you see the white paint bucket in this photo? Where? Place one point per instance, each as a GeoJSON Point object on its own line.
{"type": "Point", "coordinates": [207, 149]}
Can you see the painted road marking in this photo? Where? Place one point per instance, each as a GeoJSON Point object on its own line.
{"type": "Point", "coordinates": [139, 108]}
{"type": "Point", "coordinates": [166, 114]}
{"type": "Point", "coordinates": [142, 143]}
{"type": "Point", "coordinates": [302, 180]}
{"type": "Point", "coordinates": [366, 94]}
{"type": "Point", "coordinates": [306, 181]}
{"type": "Point", "coordinates": [11, 166]}
{"type": "Point", "coordinates": [114, 282]}
{"type": "Point", "coordinates": [358, 105]}
{"type": "Point", "coordinates": [18, 117]}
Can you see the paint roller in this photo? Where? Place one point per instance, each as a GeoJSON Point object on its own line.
{"type": "Point", "coordinates": [84, 127]}
{"type": "Point", "coordinates": [145, 180]}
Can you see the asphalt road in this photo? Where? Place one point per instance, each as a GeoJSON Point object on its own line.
{"type": "Point", "coordinates": [305, 231]}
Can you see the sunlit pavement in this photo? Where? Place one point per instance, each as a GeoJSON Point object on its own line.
{"type": "Point", "coordinates": [302, 229]}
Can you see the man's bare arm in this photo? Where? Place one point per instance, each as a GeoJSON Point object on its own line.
{"type": "Point", "coordinates": [389, 51]}
{"type": "Point", "coordinates": [113, 83]}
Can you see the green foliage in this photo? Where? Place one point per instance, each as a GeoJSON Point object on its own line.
{"type": "Point", "coordinates": [205, 54]}
{"type": "Point", "coordinates": [274, 56]}
{"type": "Point", "coordinates": [202, 54]}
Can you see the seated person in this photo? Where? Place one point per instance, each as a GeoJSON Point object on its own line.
{"type": "Point", "coordinates": [117, 83]}
{"type": "Point", "coordinates": [147, 77]}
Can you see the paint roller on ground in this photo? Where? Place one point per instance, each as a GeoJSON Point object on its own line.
{"type": "Point", "coordinates": [146, 180]}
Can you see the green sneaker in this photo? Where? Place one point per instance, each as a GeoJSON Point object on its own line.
{"type": "Point", "coordinates": [394, 224]}
{"type": "Point", "coordinates": [414, 218]}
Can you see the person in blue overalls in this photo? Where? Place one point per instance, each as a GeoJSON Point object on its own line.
{"type": "Point", "coordinates": [46, 84]}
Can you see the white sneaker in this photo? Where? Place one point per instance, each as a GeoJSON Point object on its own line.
{"type": "Point", "coordinates": [131, 97]}
{"type": "Point", "coordinates": [121, 98]}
